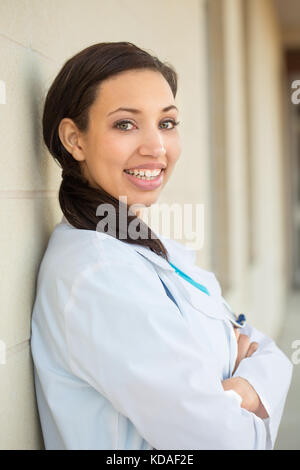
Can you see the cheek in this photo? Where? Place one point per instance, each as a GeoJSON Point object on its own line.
{"type": "Point", "coordinates": [113, 152]}
{"type": "Point", "coordinates": [174, 151]}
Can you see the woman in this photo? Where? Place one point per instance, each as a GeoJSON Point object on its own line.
{"type": "Point", "coordinates": [133, 345]}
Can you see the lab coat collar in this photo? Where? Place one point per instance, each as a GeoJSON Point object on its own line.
{"type": "Point", "coordinates": [153, 257]}
{"type": "Point", "coordinates": [183, 258]}
{"type": "Point", "coordinates": [208, 305]}
{"type": "Point", "coordinates": [150, 255]}
{"type": "Point", "coordinates": [178, 254]}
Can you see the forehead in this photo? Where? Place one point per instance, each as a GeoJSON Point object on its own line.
{"type": "Point", "coordinates": [134, 88]}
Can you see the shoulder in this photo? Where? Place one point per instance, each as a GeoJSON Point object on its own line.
{"type": "Point", "coordinates": [70, 251]}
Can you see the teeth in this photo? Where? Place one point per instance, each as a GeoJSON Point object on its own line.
{"type": "Point", "coordinates": [147, 173]}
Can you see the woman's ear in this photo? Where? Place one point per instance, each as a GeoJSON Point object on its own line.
{"type": "Point", "coordinates": [70, 138]}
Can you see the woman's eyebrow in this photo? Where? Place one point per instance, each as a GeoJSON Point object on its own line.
{"type": "Point", "coordinates": [137, 111]}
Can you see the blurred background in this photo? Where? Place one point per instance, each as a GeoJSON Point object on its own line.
{"type": "Point", "coordinates": [238, 63]}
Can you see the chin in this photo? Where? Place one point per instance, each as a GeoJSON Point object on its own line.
{"type": "Point", "coordinates": [149, 201]}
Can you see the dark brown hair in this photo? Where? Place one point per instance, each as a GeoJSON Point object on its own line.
{"type": "Point", "coordinates": [71, 94]}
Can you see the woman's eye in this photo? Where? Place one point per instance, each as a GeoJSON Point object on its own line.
{"type": "Point", "coordinates": [122, 125]}
{"type": "Point", "coordinates": [171, 121]}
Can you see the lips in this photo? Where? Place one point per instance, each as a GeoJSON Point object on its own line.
{"type": "Point", "coordinates": [145, 185]}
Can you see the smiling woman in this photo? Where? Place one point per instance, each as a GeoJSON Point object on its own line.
{"type": "Point", "coordinates": [110, 120]}
{"type": "Point", "coordinates": [132, 345]}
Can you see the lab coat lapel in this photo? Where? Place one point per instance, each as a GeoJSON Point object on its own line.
{"type": "Point", "coordinates": [181, 257]}
{"type": "Point", "coordinates": [184, 259]}
{"type": "Point", "coordinates": [153, 257]}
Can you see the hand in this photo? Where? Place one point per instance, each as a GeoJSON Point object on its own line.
{"type": "Point", "coordinates": [245, 348]}
{"type": "Point", "coordinates": [250, 399]}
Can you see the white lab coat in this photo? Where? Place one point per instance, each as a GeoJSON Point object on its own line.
{"type": "Point", "coordinates": [117, 365]}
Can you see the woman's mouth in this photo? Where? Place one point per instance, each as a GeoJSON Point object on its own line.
{"type": "Point", "coordinates": [145, 179]}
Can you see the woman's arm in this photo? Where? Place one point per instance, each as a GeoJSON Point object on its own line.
{"type": "Point", "coordinates": [250, 399]}
{"type": "Point", "coordinates": [268, 371]}
{"type": "Point", "coordinates": [138, 351]}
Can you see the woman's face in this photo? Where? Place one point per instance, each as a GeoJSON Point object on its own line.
{"type": "Point", "coordinates": [144, 137]}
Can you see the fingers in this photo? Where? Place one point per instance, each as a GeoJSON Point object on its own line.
{"type": "Point", "coordinates": [252, 348]}
{"type": "Point", "coordinates": [243, 346]}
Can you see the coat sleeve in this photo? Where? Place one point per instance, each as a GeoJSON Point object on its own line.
{"type": "Point", "coordinates": [129, 341]}
{"type": "Point", "coordinates": [269, 371]}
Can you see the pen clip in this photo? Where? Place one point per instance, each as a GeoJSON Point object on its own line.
{"type": "Point", "coordinates": [238, 320]}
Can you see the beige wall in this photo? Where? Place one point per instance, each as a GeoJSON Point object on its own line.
{"type": "Point", "coordinates": [267, 276]}
{"type": "Point", "coordinates": [247, 151]}
{"type": "Point", "coordinates": [36, 37]}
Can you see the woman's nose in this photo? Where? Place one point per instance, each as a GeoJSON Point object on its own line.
{"type": "Point", "coordinates": [152, 145]}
